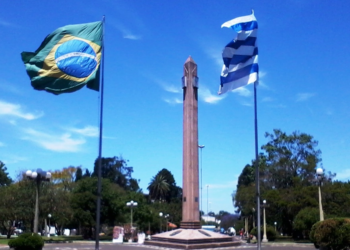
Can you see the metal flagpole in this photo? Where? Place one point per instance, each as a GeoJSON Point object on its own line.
{"type": "Point", "coordinates": [257, 174]}
{"type": "Point", "coordinates": [98, 202]}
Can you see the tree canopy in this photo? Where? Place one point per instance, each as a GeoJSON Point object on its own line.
{"type": "Point", "coordinates": [163, 187]}
{"type": "Point", "coordinates": [287, 180]}
{"type": "Point", "coordinates": [5, 180]}
{"type": "Point", "coordinates": [117, 171]}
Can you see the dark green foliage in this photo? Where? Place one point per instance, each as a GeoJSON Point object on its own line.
{"type": "Point", "coordinates": [27, 241]}
{"type": "Point", "coordinates": [331, 234]}
{"type": "Point", "coordinates": [228, 220]}
{"type": "Point", "coordinates": [163, 187]}
{"type": "Point", "coordinates": [270, 232]}
{"type": "Point", "coordinates": [5, 180]}
{"type": "Point", "coordinates": [288, 183]}
{"type": "Point", "coordinates": [304, 220]}
{"type": "Point", "coordinates": [78, 174]}
{"type": "Point", "coordinates": [117, 171]}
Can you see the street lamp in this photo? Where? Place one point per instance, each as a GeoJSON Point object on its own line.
{"type": "Point", "coordinates": [160, 222]}
{"type": "Point", "coordinates": [201, 147]}
{"type": "Point", "coordinates": [253, 210]}
{"type": "Point", "coordinates": [207, 199]}
{"type": "Point", "coordinates": [38, 176]}
{"type": "Point", "coordinates": [264, 237]}
{"type": "Point", "coordinates": [49, 216]}
{"type": "Point", "coordinates": [319, 173]}
{"type": "Point", "coordinates": [166, 217]}
{"type": "Point", "coordinates": [275, 226]}
{"type": "Point", "coordinates": [131, 204]}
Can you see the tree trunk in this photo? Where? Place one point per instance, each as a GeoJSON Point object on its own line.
{"type": "Point", "coordinates": [10, 231]}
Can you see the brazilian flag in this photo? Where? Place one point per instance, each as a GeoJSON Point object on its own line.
{"type": "Point", "coordinates": [67, 59]}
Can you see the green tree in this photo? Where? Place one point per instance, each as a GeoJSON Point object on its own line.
{"type": "Point", "coordinates": [290, 156]}
{"type": "Point", "coordinates": [158, 188]}
{"type": "Point", "coordinates": [79, 174]}
{"type": "Point", "coordinates": [287, 179]}
{"type": "Point", "coordinates": [336, 199]}
{"type": "Point", "coordinates": [113, 203]}
{"type": "Point", "coordinates": [305, 219]}
{"type": "Point", "coordinates": [5, 180]}
{"type": "Point", "coordinates": [117, 171]}
{"type": "Point", "coordinates": [16, 204]}
{"type": "Point", "coordinates": [174, 192]}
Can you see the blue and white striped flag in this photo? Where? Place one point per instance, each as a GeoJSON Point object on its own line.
{"type": "Point", "coordinates": [241, 55]}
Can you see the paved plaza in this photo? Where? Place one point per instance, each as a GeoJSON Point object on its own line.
{"type": "Point", "coordinates": [128, 246]}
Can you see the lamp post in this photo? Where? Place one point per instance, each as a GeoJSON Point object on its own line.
{"type": "Point", "coordinates": [166, 217]}
{"type": "Point", "coordinates": [160, 222]}
{"type": "Point", "coordinates": [201, 147]}
{"type": "Point", "coordinates": [319, 173]}
{"type": "Point", "coordinates": [49, 216]}
{"type": "Point", "coordinates": [131, 204]}
{"type": "Point", "coordinates": [253, 210]}
{"type": "Point", "coordinates": [38, 176]}
{"type": "Point", "coordinates": [275, 226]}
{"type": "Point", "coordinates": [264, 236]}
{"type": "Point", "coordinates": [207, 199]}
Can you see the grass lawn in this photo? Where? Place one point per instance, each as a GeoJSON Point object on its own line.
{"type": "Point", "coordinates": [3, 241]}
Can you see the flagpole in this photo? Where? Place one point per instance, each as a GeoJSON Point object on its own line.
{"type": "Point", "coordinates": [257, 174]}
{"type": "Point", "coordinates": [98, 202]}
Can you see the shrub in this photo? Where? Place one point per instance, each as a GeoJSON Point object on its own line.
{"type": "Point", "coordinates": [303, 222]}
{"type": "Point", "coordinates": [27, 241]}
{"type": "Point", "coordinates": [331, 234]}
{"type": "Point", "coordinates": [270, 232]}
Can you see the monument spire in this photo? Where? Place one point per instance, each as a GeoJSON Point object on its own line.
{"type": "Point", "coordinates": [190, 186]}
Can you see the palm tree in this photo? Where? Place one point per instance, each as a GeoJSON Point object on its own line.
{"type": "Point", "coordinates": [158, 188]}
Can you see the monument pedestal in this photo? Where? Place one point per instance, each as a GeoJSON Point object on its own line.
{"type": "Point", "coordinates": [190, 225]}
{"type": "Point", "coordinates": [192, 239]}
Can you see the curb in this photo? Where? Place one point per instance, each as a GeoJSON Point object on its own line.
{"type": "Point", "coordinates": [57, 241]}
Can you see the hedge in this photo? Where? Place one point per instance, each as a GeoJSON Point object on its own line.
{"type": "Point", "coordinates": [331, 234]}
{"type": "Point", "coordinates": [27, 241]}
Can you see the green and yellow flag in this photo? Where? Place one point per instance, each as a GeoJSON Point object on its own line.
{"type": "Point", "coordinates": [67, 59]}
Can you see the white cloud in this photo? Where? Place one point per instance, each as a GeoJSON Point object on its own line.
{"type": "Point", "coordinates": [131, 37]}
{"type": "Point", "coordinates": [7, 24]}
{"type": "Point", "coordinates": [344, 175]}
{"type": "Point", "coordinates": [89, 131]}
{"type": "Point", "coordinates": [16, 110]}
{"type": "Point", "coordinates": [11, 159]}
{"type": "Point", "coordinates": [8, 87]}
{"type": "Point", "coordinates": [177, 91]}
{"type": "Point", "coordinates": [248, 104]}
{"type": "Point", "coordinates": [304, 96]}
{"type": "Point", "coordinates": [267, 99]}
{"type": "Point", "coordinates": [127, 34]}
{"type": "Point", "coordinates": [242, 91]}
{"type": "Point", "coordinates": [59, 143]}
{"type": "Point", "coordinates": [2, 144]}
{"type": "Point", "coordinates": [215, 54]}
{"type": "Point", "coordinates": [171, 89]}
{"type": "Point", "coordinates": [173, 100]}
{"type": "Point", "coordinates": [206, 95]}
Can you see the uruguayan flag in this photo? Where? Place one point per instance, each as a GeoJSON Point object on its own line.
{"type": "Point", "coordinates": [241, 55]}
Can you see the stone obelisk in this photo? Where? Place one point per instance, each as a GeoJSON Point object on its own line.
{"type": "Point", "coordinates": [190, 183]}
{"type": "Point", "coordinates": [190, 235]}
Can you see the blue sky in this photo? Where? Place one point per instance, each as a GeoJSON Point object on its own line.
{"type": "Point", "coordinates": [304, 72]}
